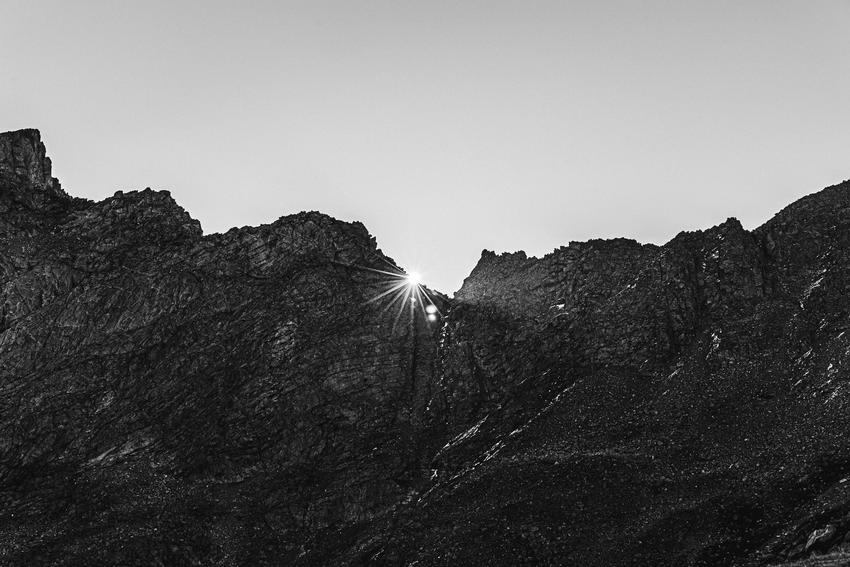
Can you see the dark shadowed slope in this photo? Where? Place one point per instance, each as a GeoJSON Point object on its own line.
{"type": "Point", "coordinates": [170, 398]}
{"type": "Point", "coordinates": [625, 404]}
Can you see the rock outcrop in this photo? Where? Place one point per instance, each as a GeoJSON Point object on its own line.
{"type": "Point", "coordinates": [29, 195]}
{"type": "Point", "coordinates": [253, 397]}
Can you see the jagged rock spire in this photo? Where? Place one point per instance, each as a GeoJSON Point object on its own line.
{"type": "Point", "coordinates": [26, 171]}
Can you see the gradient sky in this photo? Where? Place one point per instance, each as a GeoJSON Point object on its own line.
{"type": "Point", "coordinates": [445, 127]}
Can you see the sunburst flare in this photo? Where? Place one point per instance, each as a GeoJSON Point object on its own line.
{"type": "Point", "coordinates": [406, 289]}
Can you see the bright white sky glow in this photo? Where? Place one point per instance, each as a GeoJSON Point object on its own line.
{"type": "Point", "coordinates": [446, 127]}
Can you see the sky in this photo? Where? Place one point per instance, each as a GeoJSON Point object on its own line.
{"type": "Point", "coordinates": [445, 127]}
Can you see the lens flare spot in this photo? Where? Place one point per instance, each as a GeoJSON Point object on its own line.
{"type": "Point", "coordinates": [431, 309]}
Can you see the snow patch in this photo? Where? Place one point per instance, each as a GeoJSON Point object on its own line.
{"type": "Point", "coordinates": [464, 436]}
{"type": "Point", "coordinates": [715, 344]}
{"type": "Point", "coordinates": [813, 285]}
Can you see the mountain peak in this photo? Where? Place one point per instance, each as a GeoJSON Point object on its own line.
{"type": "Point", "coordinates": [26, 171]}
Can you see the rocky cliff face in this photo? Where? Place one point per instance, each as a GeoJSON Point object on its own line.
{"type": "Point", "coordinates": [29, 195]}
{"type": "Point", "coordinates": [170, 398]}
{"type": "Point", "coordinates": [173, 398]}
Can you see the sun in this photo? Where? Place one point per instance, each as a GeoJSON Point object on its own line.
{"type": "Point", "coordinates": [407, 291]}
{"type": "Point", "coordinates": [413, 279]}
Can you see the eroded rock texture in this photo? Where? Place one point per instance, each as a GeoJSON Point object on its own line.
{"type": "Point", "coordinates": [170, 398]}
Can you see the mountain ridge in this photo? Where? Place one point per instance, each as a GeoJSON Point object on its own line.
{"type": "Point", "coordinates": [269, 395]}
